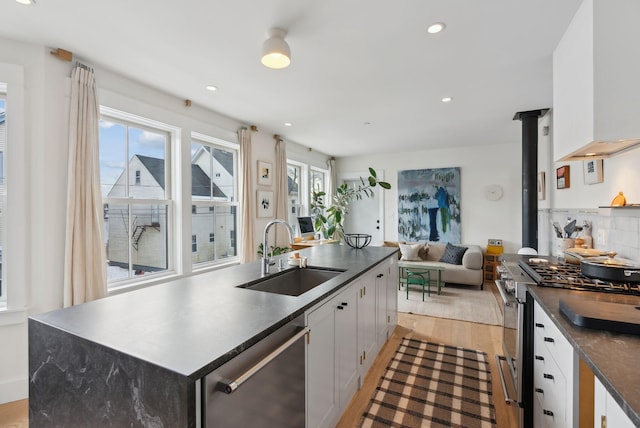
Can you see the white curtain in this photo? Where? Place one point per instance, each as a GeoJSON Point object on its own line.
{"type": "Point", "coordinates": [282, 192]}
{"type": "Point", "coordinates": [247, 246]}
{"type": "Point", "coordinates": [333, 181]}
{"type": "Point", "coordinates": [85, 276]}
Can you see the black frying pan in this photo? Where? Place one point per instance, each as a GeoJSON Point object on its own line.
{"type": "Point", "coordinates": [610, 269]}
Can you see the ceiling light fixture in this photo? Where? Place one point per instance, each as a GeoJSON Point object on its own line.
{"type": "Point", "coordinates": [211, 88]}
{"type": "Point", "coordinates": [275, 50]}
{"type": "Point", "coordinates": [436, 27]}
{"type": "Point", "coordinates": [27, 2]}
{"type": "Point", "coordinates": [446, 99]}
{"type": "Point", "coordinates": [288, 124]}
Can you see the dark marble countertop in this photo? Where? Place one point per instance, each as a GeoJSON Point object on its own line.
{"type": "Point", "coordinates": [194, 324]}
{"type": "Point", "coordinates": [612, 357]}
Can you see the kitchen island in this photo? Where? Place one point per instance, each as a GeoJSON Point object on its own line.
{"type": "Point", "coordinates": [135, 358]}
{"type": "Point", "coordinates": [612, 357]}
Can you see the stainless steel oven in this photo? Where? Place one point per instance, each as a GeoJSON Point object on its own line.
{"type": "Point", "coordinates": [513, 367]}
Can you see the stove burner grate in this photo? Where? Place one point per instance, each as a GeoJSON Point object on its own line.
{"type": "Point", "coordinates": [570, 277]}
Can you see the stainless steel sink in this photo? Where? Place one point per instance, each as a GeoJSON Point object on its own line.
{"type": "Point", "coordinates": [293, 282]}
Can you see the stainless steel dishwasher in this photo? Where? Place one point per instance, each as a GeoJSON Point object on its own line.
{"type": "Point", "coordinates": [264, 386]}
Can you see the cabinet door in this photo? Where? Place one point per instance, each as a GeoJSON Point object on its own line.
{"type": "Point", "coordinates": [392, 296]}
{"type": "Point", "coordinates": [322, 391]}
{"type": "Point", "coordinates": [346, 334]}
{"type": "Point", "coordinates": [366, 321]}
{"type": "Point", "coordinates": [381, 277]}
{"type": "Point", "coordinates": [607, 413]}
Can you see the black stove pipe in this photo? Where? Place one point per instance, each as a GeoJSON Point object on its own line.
{"type": "Point", "coordinates": [529, 121]}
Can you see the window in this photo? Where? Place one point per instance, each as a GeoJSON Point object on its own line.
{"type": "Point", "coordinates": [194, 244]}
{"type": "Point", "coordinates": [3, 190]}
{"type": "Point", "coordinates": [135, 177]}
{"type": "Point", "coordinates": [296, 190]}
{"type": "Point", "coordinates": [214, 166]}
{"type": "Point", "coordinates": [303, 180]}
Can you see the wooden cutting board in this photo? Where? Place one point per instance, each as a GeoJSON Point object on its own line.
{"type": "Point", "coordinates": [615, 317]}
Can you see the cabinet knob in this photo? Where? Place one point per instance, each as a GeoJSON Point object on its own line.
{"type": "Point", "coordinates": [549, 339]}
{"type": "Point", "coordinates": [380, 275]}
{"type": "Point", "coordinates": [547, 412]}
{"type": "Point", "coordinates": [539, 325]}
{"type": "Point", "coordinates": [548, 376]}
{"type": "Point", "coordinates": [539, 390]}
{"type": "Point", "coordinates": [340, 307]}
{"type": "Point", "coordinates": [539, 358]}
{"type": "Point", "coordinates": [603, 421]}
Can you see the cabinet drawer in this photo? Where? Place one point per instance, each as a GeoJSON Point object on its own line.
{"type": "Point", "coordinates": [550, 388]}
{"type": "Point", "coordinates": [553, 340]}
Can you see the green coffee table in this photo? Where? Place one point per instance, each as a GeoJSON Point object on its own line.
{"type": "Point", "coordinates": [429, 274]}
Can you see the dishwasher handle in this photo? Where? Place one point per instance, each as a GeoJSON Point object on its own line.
{"type": "Point", "coordinates": [229, 386]}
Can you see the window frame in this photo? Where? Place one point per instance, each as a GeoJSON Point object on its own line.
{"type": "Point", "coordinates": [207, 140]}
{"type": "Point", "coordinates": [171, 197]}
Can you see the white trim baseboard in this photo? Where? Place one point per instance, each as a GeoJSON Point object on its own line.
{"type": "Point", "coordinates": [13, 390]}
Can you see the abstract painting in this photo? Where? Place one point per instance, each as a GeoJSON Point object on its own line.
{"type": "Point", "coordinates": [429, 205]}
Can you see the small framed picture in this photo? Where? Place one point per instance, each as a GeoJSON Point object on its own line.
{"type": "Point", "coordinates": [563, 177]}
{"type": "Point", "coordinates": [265, 203]}
{"type": "Point", "coordinates": [265, 173]}
{"type": "Point", "coordinates": [541, 186]}
{"type": "Point", "coordinates": [592, 169]}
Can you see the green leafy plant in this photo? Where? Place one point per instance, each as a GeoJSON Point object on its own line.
{"type": "Point", "coordinates": [329, 220]}
{"type": "Point", "coordinates": [273, 250]}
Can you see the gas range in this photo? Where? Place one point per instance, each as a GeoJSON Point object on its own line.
{"type": "Point", "coordinates": [569, 276]}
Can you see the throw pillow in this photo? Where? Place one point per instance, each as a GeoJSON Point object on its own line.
{"type": "Point", "coordinates": [453, 255]}
{"type": "Point", "coordinates": [424, 252]}
{"type": "Point", "coordinates": [410, 251]}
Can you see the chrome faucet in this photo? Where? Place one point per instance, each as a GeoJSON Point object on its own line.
{"type": "Point", "coordinates": [266, 260]}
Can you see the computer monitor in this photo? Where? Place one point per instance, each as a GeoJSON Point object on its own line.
{"type": "Point", "coordinates": [306, 227]}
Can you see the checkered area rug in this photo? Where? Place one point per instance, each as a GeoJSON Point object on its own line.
{"type": "Point", "coordinates": [432, 385]}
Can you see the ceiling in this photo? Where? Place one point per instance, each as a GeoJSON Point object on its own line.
{"type": "Point", "coordinates": [365, 76]}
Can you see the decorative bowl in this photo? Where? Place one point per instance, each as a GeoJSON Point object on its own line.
{"type": "Point", "coordinates": [357, 240]}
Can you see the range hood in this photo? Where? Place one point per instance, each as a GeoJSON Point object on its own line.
{"type": "Point", "coordinates": [602, 149]}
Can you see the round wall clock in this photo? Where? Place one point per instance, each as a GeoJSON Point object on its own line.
{"type": "Point", "coordinates": [493, 192]}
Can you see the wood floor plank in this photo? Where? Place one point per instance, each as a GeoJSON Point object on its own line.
{"type": "Point", "coordinates": [14, 414]}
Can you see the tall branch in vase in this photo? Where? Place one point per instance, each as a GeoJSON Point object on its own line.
{"type": "Point", "coordinates": [329, 220]}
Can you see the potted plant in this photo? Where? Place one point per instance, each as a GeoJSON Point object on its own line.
{"type": "Point", "coordinates": [329, 220]}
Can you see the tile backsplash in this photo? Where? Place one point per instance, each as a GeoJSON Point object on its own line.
{"type": "Point", "coordinates": [613, 229]}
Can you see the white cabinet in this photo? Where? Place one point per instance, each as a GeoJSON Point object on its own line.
{"type": "Point", "coordinates": [553, 374]}
{"type": "Point", "coordinates": [595, 76]}
{"type": "Point", "coordinates": [347, 330]}
{"type": "Point", "coordinates": [607, 413]}
{"type": "Point", "coordinates": [347, 363]}
{"type": "Point", "coordinates": [367, 340]}
{"type": "Point", "coordinates": [322, 388]}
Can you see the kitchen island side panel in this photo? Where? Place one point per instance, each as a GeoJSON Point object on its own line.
{"type": "Point", "coordinates": [74, 382]}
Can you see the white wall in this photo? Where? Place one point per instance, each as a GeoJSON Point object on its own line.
{"type": "Point", "coordinates": [35, 261]}
{"type": "Point", "coordinates": [479, 167]}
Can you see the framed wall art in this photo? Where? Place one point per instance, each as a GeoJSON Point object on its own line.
{"type": "Point", "coordinates": [592, 169]}
{"type": "Point", "coordinates": [265, 173]}
{"type": "Point", "coordinates": [265, 203]}
{"type": "Point", "coordinates": [429, 205]}
{"type": "Point", "coordinates": [563, 177]}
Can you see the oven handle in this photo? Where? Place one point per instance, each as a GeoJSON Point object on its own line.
{"type": "Point", "coordinates": [505, 298]}
{"type": "Point", "coordinates": [229, 386]}
{"type": "Point", "coordinates": [499, 359]}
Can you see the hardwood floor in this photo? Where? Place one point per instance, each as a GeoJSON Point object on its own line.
{"type": "Point", "coordinates": [14, 414]}
{"type": "Point", "coordinates": [487, 338]}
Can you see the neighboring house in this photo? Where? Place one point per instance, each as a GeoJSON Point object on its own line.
{"type": "Point", "coordinates": [148, 224]}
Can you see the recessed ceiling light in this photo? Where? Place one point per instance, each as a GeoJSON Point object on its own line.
{"type": "Point", "coordinates": [211, 88]}
{"type": "Point", "coordinates": [26, 1]}
{"type": "Point", "coordinates": [367, 123]}
{"type": "Point", "coordinates": [436, 27]}
{"type": "Point", "coordinates": [288, 124]}
{"type": "Point", "coordinates": [446, 99]}
{"type": "Point", "coordinates": [590, 154]}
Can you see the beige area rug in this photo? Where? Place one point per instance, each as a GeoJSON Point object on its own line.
{"type": "Point", "coordinates": [458, 302]}
{"type": "Point", "coordinates": [432, 385]}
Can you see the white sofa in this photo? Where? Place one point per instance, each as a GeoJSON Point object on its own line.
{"type": "Point", "coordinates": [468, 273]}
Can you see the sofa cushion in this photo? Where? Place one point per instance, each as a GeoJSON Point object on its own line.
{"type": "Point", "coordinates": [436, 250]}
{"type": "Point", "coordinates": [453, 254]}
{"type": "Point", "coordinates": [472, 258]}
{"type": "Point", "coordinates": [410, 251]}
